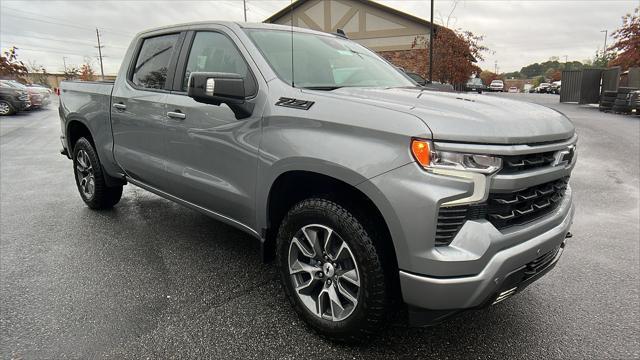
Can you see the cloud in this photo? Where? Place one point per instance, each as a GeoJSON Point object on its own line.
{"type": "Point", "coordinates": [518, 32]}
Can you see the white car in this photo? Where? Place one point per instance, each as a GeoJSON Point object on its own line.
{"type": "Point", "coordinates": [513, 89]}
{"type": "Point", "coordinates": [496, 85]}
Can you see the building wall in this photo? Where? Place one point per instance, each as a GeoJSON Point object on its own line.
{"type": "Point", "coordinates": [366, 24]}
{"type": "Point", "coordinates": [53, 80]}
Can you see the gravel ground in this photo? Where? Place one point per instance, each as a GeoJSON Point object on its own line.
{"type": "Point", "coordinates": [152, 279]}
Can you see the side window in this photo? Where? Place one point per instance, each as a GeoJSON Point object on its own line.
{"type": "Point", "coordinates": [153, 61]}
{"type": "Point", "coordinates": [214, 52]}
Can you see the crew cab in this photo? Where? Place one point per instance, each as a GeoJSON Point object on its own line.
{"type": "Point", "coordinates": [374, 195]}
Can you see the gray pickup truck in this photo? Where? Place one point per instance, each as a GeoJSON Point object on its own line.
{"type": "Point", "coordinates": [376, 197]}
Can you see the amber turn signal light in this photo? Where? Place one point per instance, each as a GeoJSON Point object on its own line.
{"type": "Point", "coordinates": [421, 151]}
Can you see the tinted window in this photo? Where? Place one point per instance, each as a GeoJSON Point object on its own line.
{"type": "Point", "coordinates": [153, 61]}
{"type": "Point", "coordinates": [214, 52]}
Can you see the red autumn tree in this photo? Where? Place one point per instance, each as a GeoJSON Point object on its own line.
{"type": "Point", "coordinates": [454, 54]}
{"type": "Point", "coordinates": [10, 66]}
{"type": "Point", "coordinates": [488, 76]}
{"type": "Point", "coordinates": [86, 72]}
{"type": "Point", "coordinates": [627, 44]}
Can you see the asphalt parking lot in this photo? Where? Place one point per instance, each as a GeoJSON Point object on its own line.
{"type": "Point", "coordinates": [152, 279]}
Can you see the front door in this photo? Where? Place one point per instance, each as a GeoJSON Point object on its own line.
{"type": "Point", "coordinates": [211, 155]}
{"type": "Point", "coordinates": [137, 113]}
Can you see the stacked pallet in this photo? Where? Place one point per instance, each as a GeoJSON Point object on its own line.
{"type": "Point", "coordinates": [619, 102]}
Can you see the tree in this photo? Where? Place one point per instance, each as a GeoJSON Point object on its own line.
{"type": "Point", "coordinates": [10, 66]}
{"type": "Point", "coordinates": [627, 42]}
{"type": "Point", "coordinates": [602, 60]}
{"type": "Point", "coordinates": [37, 73]}
{"type": "Point", "coordinates": [487, 77]}
{"type": "Point", "coordinates": [537, 81]}
{"type": "Point", "coordinates": [71, 72]}
{"type": "Point", "coordinates": [454, 54]}
{"type": "Point", "coordinates": [86, 72]}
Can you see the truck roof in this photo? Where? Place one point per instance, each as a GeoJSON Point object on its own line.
{"type": "Point", "coordinates": [233, 25]}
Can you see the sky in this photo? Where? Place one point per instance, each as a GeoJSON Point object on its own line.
{"type": "Point", "coordinates": [52, 33]}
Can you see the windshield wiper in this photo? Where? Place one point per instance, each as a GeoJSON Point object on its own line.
{"type": "Point", "coordinates": [325, 88]}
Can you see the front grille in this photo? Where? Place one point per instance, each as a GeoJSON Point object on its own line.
{"type": "Point", "coordinates": [519, 207]}
{"type": "Point", "coordinates": [502, 209]}
{"type": "Point", "coordinates": [517, 163]}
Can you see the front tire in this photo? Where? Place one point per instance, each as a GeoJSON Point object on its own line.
{"type": "Point", "coordinates": [6, 108]}
{"type": "Point", "coordinates": [331, 271]}
{"type": "Point", "coordinates": [90, 178]}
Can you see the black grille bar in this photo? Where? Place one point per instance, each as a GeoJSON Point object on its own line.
{"type": "Point", "coordinates": [502, 209]}
{"type": "Point", "coordinates": [516, 163]}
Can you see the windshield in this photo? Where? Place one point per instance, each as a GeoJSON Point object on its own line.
{"type": "Point", "coordinates": [324, 62]}
{"type": "Point", "coordinates": [474, 81]}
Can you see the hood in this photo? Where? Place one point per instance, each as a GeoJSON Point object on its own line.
{"type": "Point", "coordinates": [470, 117]}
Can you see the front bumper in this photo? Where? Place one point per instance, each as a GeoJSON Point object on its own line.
{"type": "Point", "coordinates": [457, 293]}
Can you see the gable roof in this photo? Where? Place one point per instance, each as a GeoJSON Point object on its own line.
{"type": "Point", "coordinates": [377, 5]}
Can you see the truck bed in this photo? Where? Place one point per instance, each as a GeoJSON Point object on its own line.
{"type": "Point", "coordinates": [89, 103]}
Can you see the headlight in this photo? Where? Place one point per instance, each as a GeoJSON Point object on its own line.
{"type": "Point", "coordinates": [474, 167]}
{"type": "Point", "coordinates": [423, 151]}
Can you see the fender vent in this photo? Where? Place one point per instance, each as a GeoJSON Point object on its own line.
{"type": "Point", "coordinates": [294, 103]}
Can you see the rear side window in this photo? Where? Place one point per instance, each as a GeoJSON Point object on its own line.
{"type": "Point", "coordinates": [153, 61]}
{"type": "Point", "coordinates": [214, 52]}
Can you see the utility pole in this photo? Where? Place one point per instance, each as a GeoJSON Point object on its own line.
{"type": "Point", "coordinates": [100, 54]}
{"type": "Point", "coordinates": [431, 46]}
{"type": "Point", "coordinates": [64, 61]}
{"type": "Point", "coordinates": [244, 3]}
{"type": "Point", "coordinates": [496, 67]}
{"type": "Point", "coordinates": [604, 49]}
{"type": "Point", "coordinates": [565, 59]}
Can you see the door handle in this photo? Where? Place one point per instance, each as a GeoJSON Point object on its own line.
{"type": "Point", "coordinates": [119, 106]}
{"type": "Point", "coordinates": [177, 115]}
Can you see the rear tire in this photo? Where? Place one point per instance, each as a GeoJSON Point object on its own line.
{"type": "Point", "coordinates": [90, 178]}
{"type": "Point", "coordinates": [360, 310]}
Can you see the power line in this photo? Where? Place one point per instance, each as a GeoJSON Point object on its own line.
{"type": "Point", "coordinates": [63, 24]}
{"type": "Point", "coordinates": [64, 21]}
{"type": "Point", "coordinates": [60, 40]}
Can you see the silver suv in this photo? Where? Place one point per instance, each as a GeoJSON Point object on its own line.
{"type": "Point", "coordinates": [374, 195]}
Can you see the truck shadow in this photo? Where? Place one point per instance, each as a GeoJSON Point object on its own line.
{"type": "Point", "coordinates": [217, 256]}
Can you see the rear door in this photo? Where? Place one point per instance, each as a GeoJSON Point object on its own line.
{"type": "Point", "coordinates": [211, 155]}
{"type": "Point", "coordinates": [137, 114]}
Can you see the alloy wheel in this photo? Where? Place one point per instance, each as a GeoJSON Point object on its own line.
{"type": "Point", "coordinates": [85, 174]}
{"type": "Point", "coordinates": [324, 272]}
{"type": "Point", "coordinates": [5, 109]}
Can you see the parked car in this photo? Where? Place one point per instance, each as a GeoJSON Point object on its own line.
{"type": "Point", "coordinates": [497, 85]}
{"type": "Point", "coordinates": [555, 87]}
{"type": "Point", "coordinates": [12, 99]}
{"type": "Point", "coordinates": [474, 84]}
{"type": "Point", "coordinates": [513, 89]}
{"type": "Point", "coordinates": [542, 88]}
{"type": "Point", "coordinates": [44, 94]}
{"type": "Point", "coordinates": [369, 191]}
{"type": "Point", "coordinates": [417, 78]}
{"type": "Point", "coordinates": [37, 97]}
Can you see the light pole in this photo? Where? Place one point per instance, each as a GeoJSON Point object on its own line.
{"type": "Point", "coordinates": [431, 46]}
{"type": "Point", "coordinates": [244, 4]}
{"type": "Point", "coordinates": [604, 49]}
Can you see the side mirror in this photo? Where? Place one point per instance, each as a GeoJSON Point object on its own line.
{"type": "Point", "coordinates": [220, 88]}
